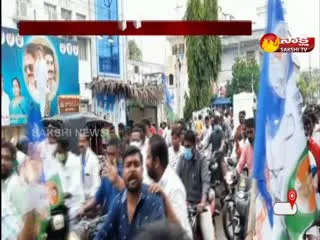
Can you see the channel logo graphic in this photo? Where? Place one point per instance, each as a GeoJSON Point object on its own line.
{"type": "Point", "coordinates": [272, 43]}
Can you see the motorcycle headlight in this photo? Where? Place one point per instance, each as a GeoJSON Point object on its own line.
{"type": "Point", "coordinates": [214, 166]}
{"type": "Point", "coordinates": [73, 236]}
{"type": "Point", "coordinates": [58, 222]}
{"type": "Point", "coordinates": [229, 177]}
{"type": "Point", "coordinates": [241, 194]}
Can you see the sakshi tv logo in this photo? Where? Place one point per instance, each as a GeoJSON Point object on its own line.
{"type": "Point", "coordinates": [272, 43]}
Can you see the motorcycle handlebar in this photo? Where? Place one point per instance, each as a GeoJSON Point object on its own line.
{"type": "Point", "coordinates": [194, 210]}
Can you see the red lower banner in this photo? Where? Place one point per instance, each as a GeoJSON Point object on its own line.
{"type": "Point", "coordinates": [144, 28]}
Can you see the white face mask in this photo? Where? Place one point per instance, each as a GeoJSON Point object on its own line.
{"type": "Point", "coordinates": [136, 144]}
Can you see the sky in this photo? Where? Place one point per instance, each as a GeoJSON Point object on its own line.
{"type": "Point", "coordinates": [303, 20]}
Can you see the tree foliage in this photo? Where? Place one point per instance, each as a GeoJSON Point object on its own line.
{"type": "Point", "coordinates": [135, 52]}
{"type": "Point", "coordinates": [245, 76]}
{"type": "Point", "coordinates": [307, 88]}
{"type": "Point", "coordinates": [203, 57]}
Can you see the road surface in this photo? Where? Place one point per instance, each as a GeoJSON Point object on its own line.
{"type": "Point", "coordinates": [219, 229]}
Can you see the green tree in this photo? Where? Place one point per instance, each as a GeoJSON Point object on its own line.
{"type": "Point", "coordinates": [203, 57]}
{"type": "Point", "coordinates": [135, 52]}
{"type": "Point", "coordinates": [308, 88]}
{"type": "Point", "coordinates": [303, 87]}
{"type": "Point", "coordinates": [245, 76]}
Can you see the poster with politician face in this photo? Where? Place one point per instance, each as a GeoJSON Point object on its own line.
{"type": "Point", "coordinates": [36, 70]}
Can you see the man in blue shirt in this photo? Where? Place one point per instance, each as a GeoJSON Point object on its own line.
{"type": "Point", "coordinates": [111, 182]}
{"type": "Point", "coordinates": [133, 208]}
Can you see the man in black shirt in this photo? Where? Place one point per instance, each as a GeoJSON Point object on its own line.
{"type": "Point", "coordinates": [217, 137]}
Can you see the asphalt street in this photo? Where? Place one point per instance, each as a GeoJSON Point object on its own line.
{"type": "Point", "coordinates": [219, 229]}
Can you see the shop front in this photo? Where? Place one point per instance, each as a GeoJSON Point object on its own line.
{"type": "Point", "coordinates": [121, 102]}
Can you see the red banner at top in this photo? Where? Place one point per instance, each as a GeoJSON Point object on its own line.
{"type": "Point", "coordinates": [144, 28]}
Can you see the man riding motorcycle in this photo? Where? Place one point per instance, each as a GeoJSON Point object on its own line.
{"type": "Point", "coordinates": [193, 171]}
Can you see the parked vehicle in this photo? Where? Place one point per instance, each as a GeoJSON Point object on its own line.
{"type": "Point", "coordinates": [70, 126]}
{"type": "Point", "coordinates": [236, 208]}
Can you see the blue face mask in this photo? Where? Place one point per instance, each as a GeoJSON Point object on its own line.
{"type": "Point", "coordinates": [188, 154]}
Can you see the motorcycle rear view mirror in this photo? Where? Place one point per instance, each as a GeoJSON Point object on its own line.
{"type": "Point", "coordinates": [211, 195]}
{"type": "Point", "coordinates": [231, 162]}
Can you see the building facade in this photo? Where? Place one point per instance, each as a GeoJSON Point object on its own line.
{"type": "Point", "coordinates": [144, 74]}
{"type": "Point", "coordinates": [176, 67]}
{"type": "Point", "coordinates": [177, 73]}
{"type": "Point", "coordinates": [102, 55]}
{"type": "Point", "coordinates": [16, 10]}
{"type": "Point", "coordinates": [247, 47]}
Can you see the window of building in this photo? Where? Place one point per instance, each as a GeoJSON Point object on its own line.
{"type": "Point", "coordinates": [65, 14]}
{"type": "Point", "coordinates": [181, 48]}
{"type": "Point", "coordinates": [83, 51]}
{"type": "Point", "coordinates": [250, 55]}
{"type": "Point", "coordinates": [80, 17]}
{"type": "Point", "coordinates": [174, 50]}
{"type": "Point", "coordinates": [136, 69]}
{"type": "Point", "coordinates": [171, 82]}
{"type": "Point", "coordinates": [51, 11]}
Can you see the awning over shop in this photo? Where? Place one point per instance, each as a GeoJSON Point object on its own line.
{"type": "Point", "coordinates": [222, 101]}
{"type": "Point", "coordinates": [147, 94]}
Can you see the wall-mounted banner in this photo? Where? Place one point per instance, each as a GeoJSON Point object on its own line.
{"type": "Point", "coordinates": [69, 104]}
{"type": "Point", "coordinates": [111, 107]}
{"type": "Point", "coordinates": [35, 70]}
{"type": "Point", "coordinates": [108, 46]}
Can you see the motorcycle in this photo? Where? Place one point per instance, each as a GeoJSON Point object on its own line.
{"type": "Point", "coordinates": [86, 229]}
{"type": "Point", "coordinates": [236, 208]}
{"type": "Point", "coordinates": [217, 180]}
{"type": "Point", "coordinates": [194, 218]}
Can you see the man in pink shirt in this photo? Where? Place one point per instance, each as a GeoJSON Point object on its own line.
{"type": "Point", "coordinates": [246, 158]}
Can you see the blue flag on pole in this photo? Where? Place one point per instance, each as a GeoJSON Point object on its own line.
{"type": "Point", "coordinates": [35, 128]}
{"type": "Point", "coordinates": [280, 155]}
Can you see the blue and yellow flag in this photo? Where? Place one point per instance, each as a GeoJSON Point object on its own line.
{"type": "Point", "coordinates": [281, 160]}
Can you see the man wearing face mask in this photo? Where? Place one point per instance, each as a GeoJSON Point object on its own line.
{"type": "Point", "coordinates": [194, 173]}
{"type": "Point", "coordinates": [70, 174]}
{"type": "Point", "coordinates": [139, 140]}
{"type": "Point", "coordinates": [90, 167]}
{"type": "Point", "coordinates": [49, 145]}
{"type": "Point", "coordinates": [246, 158]}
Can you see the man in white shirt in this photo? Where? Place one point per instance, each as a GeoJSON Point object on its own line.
{"type": "Point", "coordinates": [139, 139]}
{"type": "Point", "coordinates": [41, 79]}
{"type": "Point", "coordinates": [90, 167]}
{"type": "Point", "coordinates": [168, 184]}
{"type": "Point", "coordinates": [176, 150]}
{"type": "Point", "coordinates": [5, 102]}
{"type": "Point", "coordinates": [70, 174]}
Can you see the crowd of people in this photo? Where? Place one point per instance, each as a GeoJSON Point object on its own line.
{"type": "Point", "coordinates": [147, 176]}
